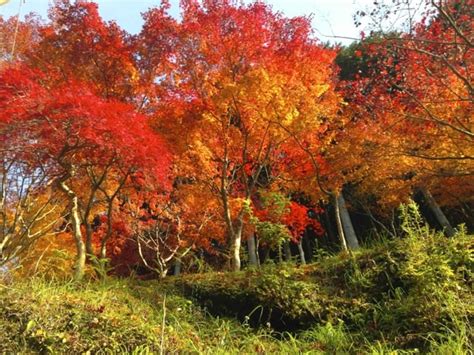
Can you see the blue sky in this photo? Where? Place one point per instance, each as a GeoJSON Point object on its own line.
{"type": "Point", "coordinates": [330, 17]}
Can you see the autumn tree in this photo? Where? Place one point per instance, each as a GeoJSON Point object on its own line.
{"type": "Point", "coordinates": [84, 143]}
{"type": "Point", "coordinates": [232, 78]}
{"type": "Point", "coordinates": [415, 107]}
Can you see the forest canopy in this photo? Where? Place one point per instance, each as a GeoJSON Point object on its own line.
{"type": "Point", "coordinates": [230, 135]}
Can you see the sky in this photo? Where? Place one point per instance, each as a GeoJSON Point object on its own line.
{"type": "Point", "coordinates": [330, 17]}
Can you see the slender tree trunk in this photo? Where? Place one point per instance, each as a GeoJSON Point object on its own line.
{"type": "Point", "coordinates": [349, 233]}
{"type": "Point", "coordinates": [234, 230]}
{"type": "Point", "coordinates": [300, 249]}
{"type": "Point", "coordinates": [88, 227]}
{"type": "Point", "coordinates": [80, 263]}
{"type": "Point", "coordinates": [80, 247]}
{"type": "Point", "coordinates": [235, 251]}
{"type": "Point", "coordinates": [280, 253]}
{"type": "Point", "coordinates": [257, 247]}
{"type": "Point", "coordinates": [340, 228]}
{"type": "Point", "coordinates": [252, 250]}
{"type": "Point", "coordinates": [287, 251]}
{"type": "Point", "coordinates": [103, 250]}
{"type": "Point", "coordinates": [163, 274]}
{"type": "Point", "coordinates": [236, 240]}
{"type": "Point", "coordinates": [439, 214]}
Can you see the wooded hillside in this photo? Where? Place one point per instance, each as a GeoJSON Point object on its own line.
{"type": "Point", "coordinates": [232, 138]}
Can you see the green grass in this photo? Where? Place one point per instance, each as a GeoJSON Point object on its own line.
{"type": "Point", "coordinates": [118, 316]}
{"type": "Point", "coordinates": [404, 296]}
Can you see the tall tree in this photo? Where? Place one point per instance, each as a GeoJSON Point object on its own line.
{"type": "Point", "coordinates": [234, 80]}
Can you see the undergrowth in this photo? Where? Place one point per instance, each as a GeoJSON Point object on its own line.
{"type": "Point", "coordinates": [404, 296]}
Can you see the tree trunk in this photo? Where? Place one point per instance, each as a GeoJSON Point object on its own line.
{"type": "Point", "coordinates": [80, 263]}
{"type": "Point", "coordinates": [349, 233]}
{"type": "Point", "coordinates": [257, 247]}
{"type": "Point", "coordinates": [236, 240]}
{"type": "Point", "coordinates": [287, 251]}
{"type": "Point", "coordinates": [300, 249]}
{"type": "Point", "coordinates": [235, 252]}
{"type": "Point", "coordinates": [234, 230]}
{"type": "Point", "coordinates": [252, 250]}
{"type": "Point", "coordinates": [103, 250]}
{"type": "Point", "coordinates": [340, 228]}
{"type": "Point", "coordinates": [88, 226]}
{"type": "Point", "coordinates": [439, 214]}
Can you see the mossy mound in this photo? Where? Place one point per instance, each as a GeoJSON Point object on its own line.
{"type": "Point", "coordinates": [129, 316]}
{"type": "Point", "coordinates": [405, 292]}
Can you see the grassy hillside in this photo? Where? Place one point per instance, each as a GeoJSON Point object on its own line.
{"type": "Point", "coordinates": [411, 295]}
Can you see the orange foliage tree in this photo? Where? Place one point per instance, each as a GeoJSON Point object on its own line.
{"type": "Point", "coordinates": [234, 79]}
